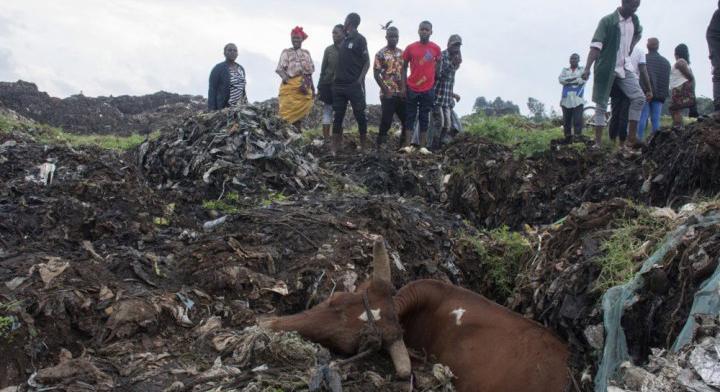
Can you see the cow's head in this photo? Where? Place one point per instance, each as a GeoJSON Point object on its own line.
{"type": "Point", "coordinates": [346, 322]}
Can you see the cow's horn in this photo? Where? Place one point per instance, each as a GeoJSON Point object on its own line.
{"type": "Point", "coordinates": [381, 268]}
{"type": "Point", "coordinates": [401, 359]}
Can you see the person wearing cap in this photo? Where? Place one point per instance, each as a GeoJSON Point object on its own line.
{"type": "Point", "coordinates": [227, 82]}
{"type": "Point", "coordinates": [445, 97]}
{"type": "Point", "coordinates": [297, 90]}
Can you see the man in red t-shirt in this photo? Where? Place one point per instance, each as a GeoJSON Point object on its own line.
{"type": "Point", "coordinates": [422, 57]}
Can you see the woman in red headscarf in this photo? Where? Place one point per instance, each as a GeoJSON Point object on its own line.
{"type": "Point", "coordinates": [297, 90]}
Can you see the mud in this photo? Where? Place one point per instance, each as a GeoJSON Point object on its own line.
{"type": "Point", "coordinates": [116, 274]}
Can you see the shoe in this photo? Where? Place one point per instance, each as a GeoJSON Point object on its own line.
{"type": "Point", "coordinates": [424, 151]}
{"type": "Point", "coordinates": [407, 150]}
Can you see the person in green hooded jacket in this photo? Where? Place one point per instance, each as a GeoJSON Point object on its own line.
{"type": "Point", "coordinates": [613, 42]}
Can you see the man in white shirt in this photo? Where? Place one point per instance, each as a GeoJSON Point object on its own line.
{"type": "Point", "coordinates": [620, 103]}
{"type": "Point", "coordinates": [611, 46]}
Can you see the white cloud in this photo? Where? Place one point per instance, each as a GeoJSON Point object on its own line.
{"type": "Point", "coordinates": [513, 49]}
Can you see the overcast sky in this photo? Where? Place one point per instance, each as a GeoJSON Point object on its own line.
{"type": "Point", "coordinates": [512, 48]}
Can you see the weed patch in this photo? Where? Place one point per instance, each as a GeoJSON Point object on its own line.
{"type": "Point", "coordinates": [629, 244]}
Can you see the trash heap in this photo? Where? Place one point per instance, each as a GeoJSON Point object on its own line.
{"type": "Point", "coordinates": [493, 187]}
{"type": "Point", "coordinates": [246, 149]}
{"type": "Point", "coordinates": [80, 114]}
{"type": "Point", "coordinates": [681, 164]}
{"type": "Point", "coordinates": [572, 285]}
{"type": "Point", "coordinates": [696, 367]}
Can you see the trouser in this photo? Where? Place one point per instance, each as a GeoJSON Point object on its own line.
{"type": "Point", "coordinates": [327, 114]}
{"type": "Point", "coordinates": [630, 86]}
{"type": "Point", "coordinates": [419, 106]}
{"type": "Point", "coordinates": [441, 124]}
{"type": "Point", "coordinates": [572, 118]}
{"type": "Point", "coordinates": [715, 59]}
{"type": "Point", "coordinates": [355, 94]}
{"type": "Point", "coordinates": [391, 107]}
{"type": "Point", "coordinates": [653, 111]}
{"type": "Point", "coordinates": [620, 112]}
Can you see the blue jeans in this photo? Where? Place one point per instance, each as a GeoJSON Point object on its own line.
{"type": "Point", "coordinates": [653, 110]}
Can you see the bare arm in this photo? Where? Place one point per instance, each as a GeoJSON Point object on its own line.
{"type": "Point", "coordinates": [379, 81]}
{"type": "Point", "coordinates": [404, 78]}
{"type": "Point", "coordinates": [592, 57]}
{"type": "Point", "coordinates": [645, 82]}
{"type": "Point", "coordinates": [364, 72]}
{"type": "Point", "coordinates": [684, 69]}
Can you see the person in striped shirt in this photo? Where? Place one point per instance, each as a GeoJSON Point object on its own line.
{"type": "Point", "coordinates": [227, 85]}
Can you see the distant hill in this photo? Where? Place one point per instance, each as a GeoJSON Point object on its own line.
{"type": "Point", "coordinates": [102, 115]}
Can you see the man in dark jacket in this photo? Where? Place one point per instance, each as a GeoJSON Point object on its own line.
{"type": "Point", "coordinates": [227, 82]}
{"type": "Point", "coordinates": [658, 68]}
{"type": "Point", "coordinates": [713, 38]}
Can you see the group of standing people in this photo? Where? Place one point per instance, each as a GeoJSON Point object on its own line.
{"type": "Point", "coordinates": [414, 83]}
{"type": "Point", "coordinates": [635, 83]}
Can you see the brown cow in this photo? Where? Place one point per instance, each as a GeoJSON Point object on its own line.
{"type": "Point", "coordinates": [488, 347]}
{"type": "Point", "coordinates": [341, 322]}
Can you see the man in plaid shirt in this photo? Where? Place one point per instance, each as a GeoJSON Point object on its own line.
{"type": "Point", "coordinates": [445, 98]}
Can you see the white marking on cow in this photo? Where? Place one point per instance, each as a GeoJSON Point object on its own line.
{"type": "Point", "coordinates": [375, 313]}
{"type": "Point", "coordinates": [458, 313]}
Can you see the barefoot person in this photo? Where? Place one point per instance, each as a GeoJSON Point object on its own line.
{"type": "Point", "coordinates": [388, 75]}
{"type": "Point", "coordinates": [614, 40]}
{"type": "Point", "coordinates": [297, 89]}
{"type": "Point", "coordinates": [327, 76]}
{"type": "Point", "coordinates": [227, 82]}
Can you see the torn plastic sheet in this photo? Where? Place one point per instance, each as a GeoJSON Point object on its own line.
{"type": "Point", "coordinates": [705, 359]}
{"type": "Point", "coordinates": [707, 301]}
{"type": "Point", "coordinates": [618, 298]}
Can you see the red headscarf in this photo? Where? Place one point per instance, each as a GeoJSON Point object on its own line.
{"type": "Point", "coordinates": [298, 31]}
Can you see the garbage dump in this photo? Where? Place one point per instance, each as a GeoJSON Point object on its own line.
{"type": "Point", "coordinates": [149, 269]}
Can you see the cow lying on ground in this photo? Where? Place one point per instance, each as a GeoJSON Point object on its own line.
{"type": "Point", "coordinates": [488, 347]}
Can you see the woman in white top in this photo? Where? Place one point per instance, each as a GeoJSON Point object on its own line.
{"type": "Point", "coordinates": [682, 85]}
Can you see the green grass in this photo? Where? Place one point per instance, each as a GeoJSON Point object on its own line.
{"type": "Point", "coordinates": [54, 135]}
{"type": "Point", "coordinates": [272, 198]}
{"type": "Point", "coordinates": [6, 322]}
{"type": "Point", "coordinates": [501, 257]}
{"type": "Point", "coordinates": [620, 258]}
{"type": "Point", "coordinates": [227, 205]}
{"type": "Point", "coordinates": [5, 325]}
{"type": "Point", "coordinates": [519, 133]}
{"type": "Point", "coordinates": [231, 203]}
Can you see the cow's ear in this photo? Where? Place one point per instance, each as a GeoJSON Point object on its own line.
{"type": "Point", "coordinates": [381, 261]}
